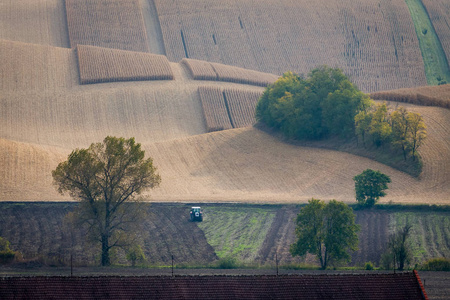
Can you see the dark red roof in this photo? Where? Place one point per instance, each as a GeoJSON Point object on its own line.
{"type": "Point", "coordinates": [343, 286]}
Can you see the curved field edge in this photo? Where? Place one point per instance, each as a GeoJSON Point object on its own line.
{"type": "Point", "coordinates": [257, 235]}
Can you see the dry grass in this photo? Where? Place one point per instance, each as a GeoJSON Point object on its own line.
{"type": "Point", "coordinates": [373, 41]}
{"type": "Point", "coordinates": [117, 24]}
{"type": "Point", "coordinates": [34, 21]}
{"type": "Point", "coordinates": [105, 65]}
{"type": "Point", "coordinates": [425, 95]}
{"type": "Point", "coordinates": [28, 67]}
{"type": "Point", "coordinates": [439, 12]}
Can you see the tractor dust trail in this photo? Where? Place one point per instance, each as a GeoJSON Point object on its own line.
{"type": "Point", "coordinates": [436, 65]}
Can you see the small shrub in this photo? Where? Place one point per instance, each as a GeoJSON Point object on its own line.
{"type": "Point", "coordinates": [368, 266]}
{"type": "Point", "coordinates": [6, 257]}
{"type": "Point", "coordinates": [135, 254]}
{"type": "Point", "coordinates": [437, 264]}
{"type": "Point", "coordinates": [6, 254]}
{"type": "Point", "coordinates": [387, 260]}
{"type": "Point", "coordinates": [227, 263]}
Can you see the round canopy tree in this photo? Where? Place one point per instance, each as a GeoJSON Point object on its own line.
{"type": "Point", "coordinates": [370, 186]}
{"type": "Point", "coordinates": [105, 178]}
{"type": "Point", "coordinates": [327, 231]}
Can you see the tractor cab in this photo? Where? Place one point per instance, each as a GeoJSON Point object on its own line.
{"type": "Point", "coordinates": [196, 214]}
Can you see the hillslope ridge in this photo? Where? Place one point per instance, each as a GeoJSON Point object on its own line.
{"type": "Point", "coordinates": [45, 112]}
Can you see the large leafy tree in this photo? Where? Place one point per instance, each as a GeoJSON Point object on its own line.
{"type": "Point", "coordinates": [325, 102]}
{"type": "Point", "coordinates": [400, 129]}
{"type": "Point", "coordinates": [370, 186]}
{"type": "Point", "coordinates": [105, 178]}
{"type": "Point", "coordinates": [416, 132]}
{"type": "Point", "coordinates": [327, 231]}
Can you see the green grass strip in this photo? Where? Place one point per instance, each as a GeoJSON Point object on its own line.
{"type": "Point", "coordinates": [429, 236]}
{"type": "Point", "coordinates": [436, 65]}
{"type": "Point", "coordinates": [236, 232]}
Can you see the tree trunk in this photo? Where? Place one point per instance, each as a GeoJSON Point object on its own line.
{"type": "Point", "coordinates": [105, 250]}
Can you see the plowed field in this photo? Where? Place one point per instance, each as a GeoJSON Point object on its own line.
{"type": "Point", "coordinates": [251, 234]}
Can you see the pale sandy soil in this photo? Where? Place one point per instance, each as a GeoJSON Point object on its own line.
{"type": "Point", "coordinates": [45, 114]}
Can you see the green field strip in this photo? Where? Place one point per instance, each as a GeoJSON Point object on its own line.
{"type": "Point", "coordinates": [434, 59]}
{"type": "Point", "coordinates": [430, 234]}
{"type": "Point", "coordinates": [236, 232]}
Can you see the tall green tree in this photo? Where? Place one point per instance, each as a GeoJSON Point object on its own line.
{"type": "Point", "coordinates": [370, 186]}
{"type": "Point", "coordinates": [400, 130]}
{"type": "Point", "coordinates": [408, 131]}
{"type": "Point", "coordinates": [380, 128]}
{"type": "Point", "coordinates": [327, 231]}
{"type": "Point", "coordinates": [417, 132]}
{"type": "Point", "coordinates": [105, 178]}
{"type": "Point", "coordinates": [362, 125]}
{"type": "Point", "coordinates": [341, 107]}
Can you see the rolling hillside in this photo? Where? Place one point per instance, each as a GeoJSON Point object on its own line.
{"type": "Point", "coordinates": [46, 111]}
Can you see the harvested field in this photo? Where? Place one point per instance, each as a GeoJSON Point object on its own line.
{"type": "Point", "coordinates": [28, 67]}
{"type": "Point", "coordinates": [220, 166]}
{"type": "Point", "coordinates": [34, 21]}
{"type": "Point", "coordinates": [424, 95]}
{"type": "Point", "coordinates": [214, 109]}
{"type": "Point", "coordinates": [243, 76]}
{"type": "Point", "coordinates": [233, 165]}
{"type": "Point", "coordinates": [202, 70]}
{"type": "Point", "coordinates": [439, 13]}
{"type": "Point", "coordinates": [45, 109]}
{"type": "Point", "coordinates": [117, 24]}
{"type": "Point", "coordinates": [374, 41]}
{"type": "Point", "coordinates": [25, 171]}
{"type": "Point", "coordinates": [149, 112]}
{"type": "Point", "coordinates": [228, 108]}
{"type": "Point", "coordinates": [98, 65]}
{"type": "Point", "coordinates": [242, 106]}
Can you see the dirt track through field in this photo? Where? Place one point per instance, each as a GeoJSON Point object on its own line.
{"type": "Point", "coordinates": [153, 28]}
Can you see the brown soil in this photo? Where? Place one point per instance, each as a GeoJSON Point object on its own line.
{"type": "Point", "coordinates": [39, 230]}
